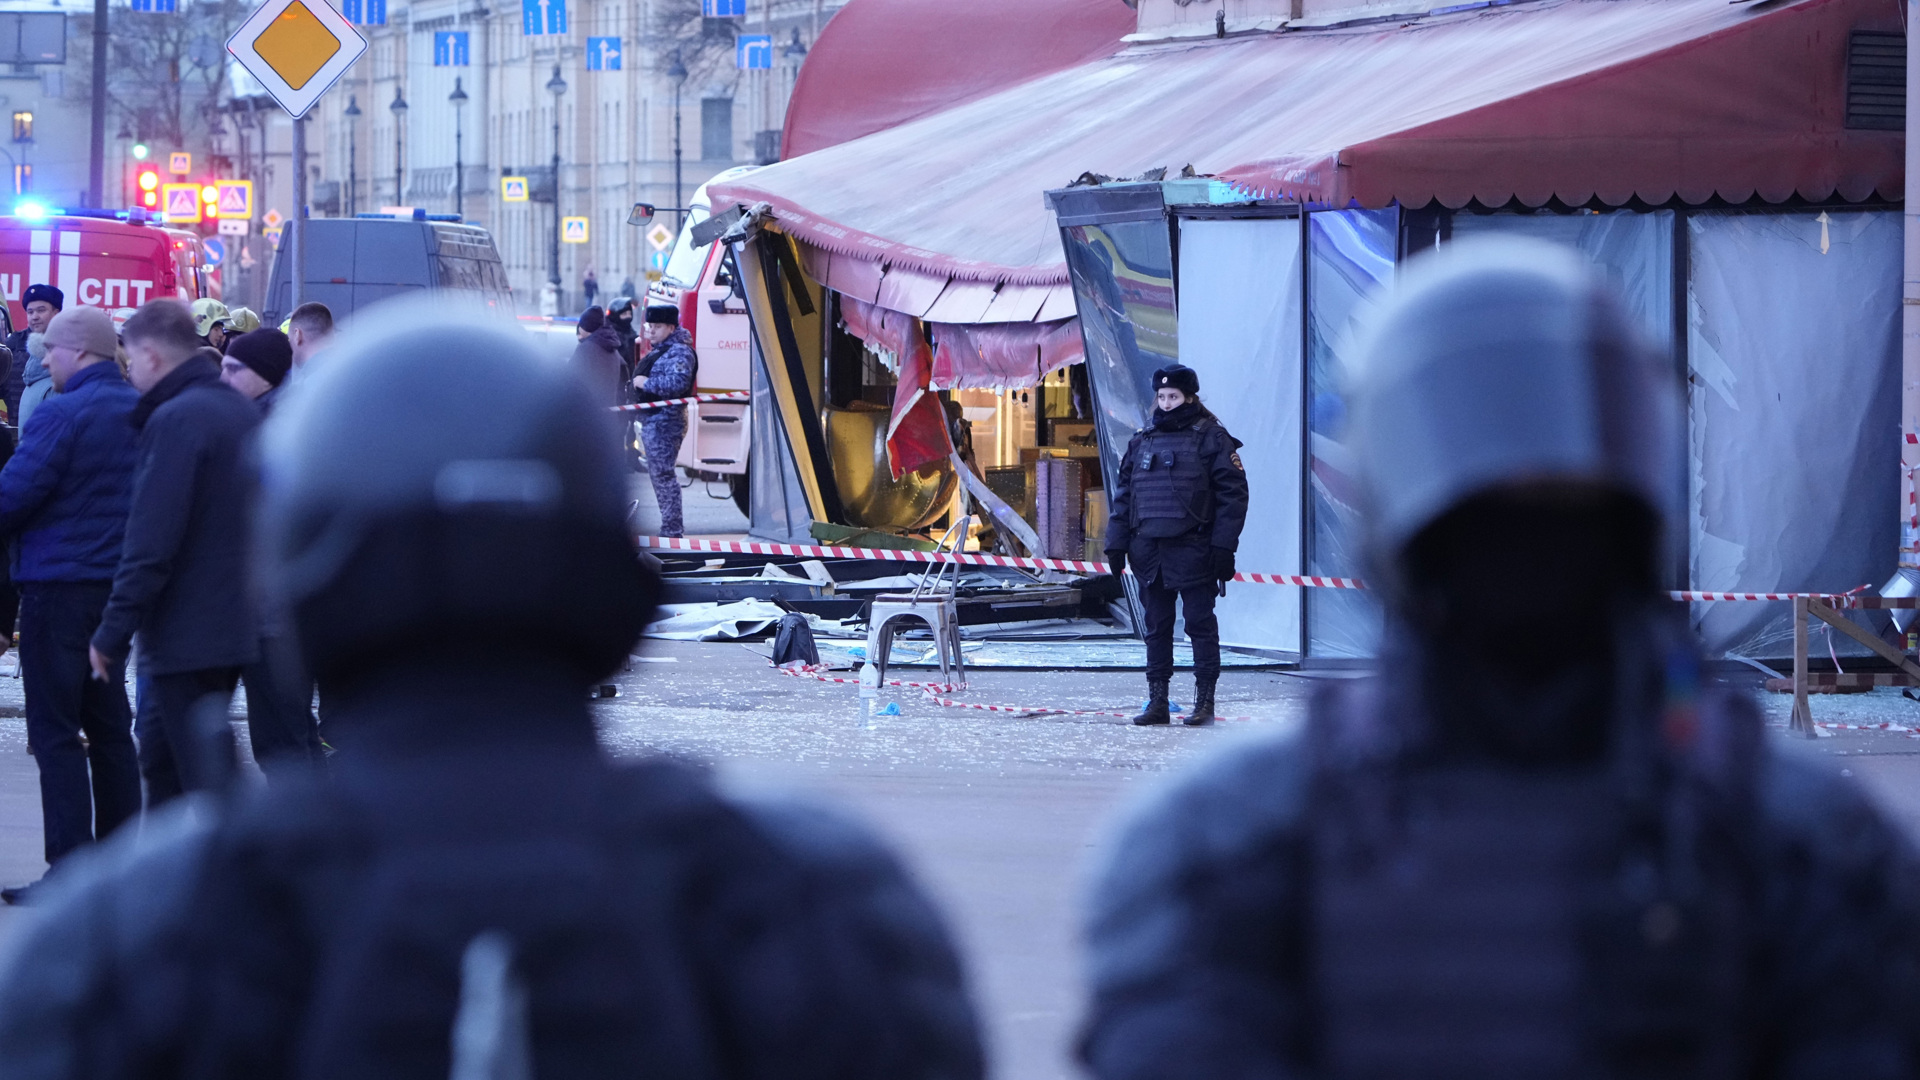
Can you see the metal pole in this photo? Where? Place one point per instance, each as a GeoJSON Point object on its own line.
{"type": "Point", "coordinates": [1909, 508]}
{"type": "Point", "coordinates": [399, 192]}
{"type": "Point", "coordinates": [97, 147]}
{"type": "Point", "coordinates": [353, 181]}
{"type": "Point", "coordinates": [297, 265]}
{"type": "Point", "coordinates": [553, 273]}
{"type": "Point", "coordinates": [677, 200]}
{"type": "Point", "coordinates": [459, 204]}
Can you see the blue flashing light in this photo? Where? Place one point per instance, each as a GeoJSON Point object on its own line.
{"type": "Point", "coordinates": [32, 210]}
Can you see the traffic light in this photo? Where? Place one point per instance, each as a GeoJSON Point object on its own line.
{"type": "Point", "coordinates": [210, 198]}
{"type": "Point", "coordinates": [149, 187]}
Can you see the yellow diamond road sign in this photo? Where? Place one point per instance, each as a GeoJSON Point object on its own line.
{"type": "Point", "coordinates": [660, 236]}
{"type": "Point", "coordinates": [297, 49]}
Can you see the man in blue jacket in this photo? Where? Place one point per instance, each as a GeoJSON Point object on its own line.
{"type": "Point", "coordinates": [182, 582]}
{"type": "Point", "coordinates": [65, 498]}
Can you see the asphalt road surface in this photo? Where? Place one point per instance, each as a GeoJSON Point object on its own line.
{"type": "Point", "coordinates": [998, 815]}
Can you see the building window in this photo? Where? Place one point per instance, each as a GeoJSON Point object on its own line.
{"type": "Point", "coordinates": [22, 179]}
{"type": "Point", "coordinates": [22, 127]}
{"type": "Point", "coordinates": [716, 129]}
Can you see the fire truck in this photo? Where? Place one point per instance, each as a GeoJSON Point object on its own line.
{"type": "Point", "coordinates": [719, 433]}
{"type": "Point", "coordinates": [111, 259]}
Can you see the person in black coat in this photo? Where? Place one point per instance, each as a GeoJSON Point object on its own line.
{"type": "Point", "coordinates": [596, 355]}
{"type": "Point", "coordinates": [182, 580]}
{"type": "Point", "coordinates": [1177, 511]}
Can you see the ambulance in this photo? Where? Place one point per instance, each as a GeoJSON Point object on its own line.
{"type": "Point", "coordinates": [112, 259]}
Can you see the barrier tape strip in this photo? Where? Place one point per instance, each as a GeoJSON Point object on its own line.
{"type": "Point", "coordinates": [731, 395]}
{"type": "Point", "coordinates": [964, 558]}
{"type": "Point", "coordinates": [1082, 566]}
{"type": "Point", "coordinates": [933, 691]}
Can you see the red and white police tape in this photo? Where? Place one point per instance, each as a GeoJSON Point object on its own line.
{"type": "Point", "coordinates": [731, 395]}
{"type": "Point", "coordinates": [1081, 566]}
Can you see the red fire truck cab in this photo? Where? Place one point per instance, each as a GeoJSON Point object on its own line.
{"type": "Point", "coordinates": [97, 258]}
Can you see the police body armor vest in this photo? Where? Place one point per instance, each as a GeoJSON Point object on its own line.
{"type": "Point", "coordinates": [1172, 493]}
{"type": "Point", "coordinates": [1477, 920]}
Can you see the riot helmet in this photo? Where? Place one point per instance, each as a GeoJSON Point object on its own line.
{"type": "Point", "coordinates": [1517, 451]}
{"type": "Point", "coordinates": [1501, 364]}
{"type": "Point", "coordinates": [438, 486]}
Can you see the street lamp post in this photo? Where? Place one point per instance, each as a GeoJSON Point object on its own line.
{"type": "Point", "coordinates": [399, 108]}
{"type": "Point", "coordinates": [459, 100]}
{"type": "Point", "coordinates": [677, 71]}
{"type": "Point", "coordinates": [125, 139]}
{"type": "Point", "coordinates": [353, 179]}
{"type": "Point", "coordinates": [556, 86]}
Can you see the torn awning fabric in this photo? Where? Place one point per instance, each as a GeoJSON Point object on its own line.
{"type": "Point", "coordinates": [1568, 100]}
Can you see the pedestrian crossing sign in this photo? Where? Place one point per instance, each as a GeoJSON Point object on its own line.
{"type": "Point", "coordinates": [235, 198]}
{"type": "Point", "coordinates": [513, 189]}
{"type": "Point", "coordinates": [181, 202]}
{"type": "Point", "coordinates": [573, 230]}
{"type": "Point", "coordinates": [272, 233]}
{"type": "Point", "coordinates": [179, 163]}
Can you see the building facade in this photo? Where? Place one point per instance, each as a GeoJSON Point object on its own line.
{"type": "Point", "coordinates": [394, 132]}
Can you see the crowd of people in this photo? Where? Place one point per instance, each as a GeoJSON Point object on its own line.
{"type": "Point", "coordinates": [1508, 853]}
{"type": "Point", "coordinates": [125, 505]}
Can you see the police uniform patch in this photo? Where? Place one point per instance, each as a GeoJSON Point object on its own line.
{"type": "Point", "coordinates": [1234, 456]}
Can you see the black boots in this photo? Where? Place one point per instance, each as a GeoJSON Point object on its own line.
{"type": "Point", "coordinates": [1156, 711]}
{"type": "Point", "coordinates": [1202, 713]}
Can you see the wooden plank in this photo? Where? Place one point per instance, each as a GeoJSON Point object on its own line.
{"type": "Point", "coordinates": [1865, 637]}
{"type": "Point", "coordinates": [1802, 718]}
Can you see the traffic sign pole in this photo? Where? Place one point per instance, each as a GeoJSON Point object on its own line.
{"type": "Point", "coordinates": [297, 264]}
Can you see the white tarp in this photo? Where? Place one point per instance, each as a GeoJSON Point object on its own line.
{"type": "Point", "coordinates": [1793, 350]}
{"type": "Point", "coordinates": [1240, 295]}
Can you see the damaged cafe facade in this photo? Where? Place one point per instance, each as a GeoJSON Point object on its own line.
{"type": "Point", "coordinates": [958, 314]}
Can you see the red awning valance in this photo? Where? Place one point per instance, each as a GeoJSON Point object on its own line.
{"type": "Point", "coordinates": [1554, 99]}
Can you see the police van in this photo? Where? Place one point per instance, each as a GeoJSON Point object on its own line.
{"type": "Point", "coordinates": [112, 259]}
{"type": "Point", "coordinates": [353, 262]}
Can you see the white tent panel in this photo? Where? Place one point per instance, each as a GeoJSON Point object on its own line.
{"type": "Point", "coordinates": [1240, 319]}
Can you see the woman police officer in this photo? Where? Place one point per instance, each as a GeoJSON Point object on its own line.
{"type": "Point", "coordinates": [1178, 507]}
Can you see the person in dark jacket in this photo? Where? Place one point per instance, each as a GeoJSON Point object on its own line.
{"type": "Point", "coordinates": [1177, 512]}
{"type": "Point", "coordinates": [41, 302]}
{"type": "Point", "coordinates": [1537, 842]}
{"type": "Point", "coordinates": [476, 888]}
{"type": "Point", "coordinates": [667, 371]}
{"type": "Point", "coordinates": [182, 580]}
{"type": "Point", "coordinates": [257, 364]}
{"type": "Point", "coordinates": [620, 317]}
{"type": "Point", "coordinates": [281, 726]}
{"type": "Point", "coordinates": [596, 356]}
{"type": "Point", "coordinates": [63, 500]}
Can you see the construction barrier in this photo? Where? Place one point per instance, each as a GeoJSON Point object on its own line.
{"type": "Point", "coordinates": [731, 395]}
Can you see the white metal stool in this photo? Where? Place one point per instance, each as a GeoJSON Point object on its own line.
{"type": "Point", "coordinates": [932, 602]}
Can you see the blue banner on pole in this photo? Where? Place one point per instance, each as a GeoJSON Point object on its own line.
{"type": "Point", "coordinates": [724, 9]}
{"type": "Point", "coordinates": [450, 48]}
{"type": "Point", "coordinates": [603, 54]}
{"type": "Point", "coordinates": [365, 12]}
{"type": "Point", "coordinates": [153, 5]}
{"type": "Point", "coordinates": [753, 51]}
{"type": "Point", "coordinates": [543, 17]}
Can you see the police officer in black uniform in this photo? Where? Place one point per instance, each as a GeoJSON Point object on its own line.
{"type": "Point", "coordinates": [474, 887]}
{"type": "Point", "coordinates": [1178, 508]}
